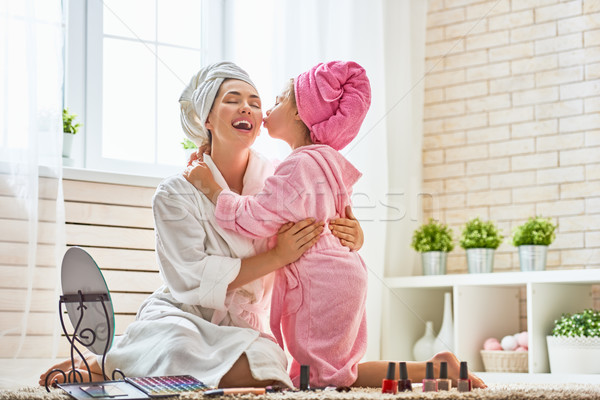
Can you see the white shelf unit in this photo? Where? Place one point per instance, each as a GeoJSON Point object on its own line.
{"type": "Point", "coordinates": [486, 305]}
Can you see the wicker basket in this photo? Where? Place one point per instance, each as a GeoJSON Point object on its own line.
{"type": "Point", "coordinates": [505, 361]}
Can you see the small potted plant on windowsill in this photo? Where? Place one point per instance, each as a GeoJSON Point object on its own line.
{"type": "Point", "coordinates": [480, 240]}
{"type": "Point", "coordinates": [434, 241]}
{"type": "Point", "coordinates": [70, 129]}
{"type": "Point", "coordinates": [533, 238]}
{"type": "Point", "coordinates": [188, 147]}
{"type": "Point", "coordinates": [574, 346]}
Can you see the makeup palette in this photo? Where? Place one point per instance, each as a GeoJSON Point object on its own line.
{"type": "Point", "coordinates": [159, 386]}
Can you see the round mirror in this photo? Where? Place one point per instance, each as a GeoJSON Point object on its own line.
{"type": "Point", "coordinates": [83, 283]}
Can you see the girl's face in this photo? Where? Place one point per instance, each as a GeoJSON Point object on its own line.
{"type": "Point", "coordinates": [282, 119]}
{"type": "Point", "coordinates": [236, 114]}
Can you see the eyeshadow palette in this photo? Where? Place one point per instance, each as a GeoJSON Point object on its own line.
{"type": "Point", "coordinates": [162, 386]}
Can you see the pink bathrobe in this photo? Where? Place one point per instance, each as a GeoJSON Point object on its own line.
{"type": "Point", "coordinates": [318, 301]}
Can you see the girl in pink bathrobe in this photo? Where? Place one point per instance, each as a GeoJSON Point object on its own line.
{"type": "Point", "coordinates": [318, 305]}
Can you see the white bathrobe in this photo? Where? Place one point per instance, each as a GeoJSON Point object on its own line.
{"type": "Point", "coordinates": [192, 325]}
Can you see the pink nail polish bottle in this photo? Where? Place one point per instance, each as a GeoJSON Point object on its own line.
{"type": "Point", "coordinates": [404, 384]}
{"type": "Point", "coordinates": [443, 382]}
{"type": "Point", "coordinates": [429, 383]}
{"type": "Point", "coordinates": [464, 383]}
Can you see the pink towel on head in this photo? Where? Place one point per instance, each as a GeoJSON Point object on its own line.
{"type": "Point", "coordinates": [333, 100]}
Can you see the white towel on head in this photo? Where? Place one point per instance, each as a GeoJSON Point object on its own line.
{"type": "Point", "coordinates": [198, 97]}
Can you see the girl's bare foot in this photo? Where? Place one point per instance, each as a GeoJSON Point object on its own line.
{"type": "Point", "coordinates": [454, 369]}
{"type": "Point", "coordinates": [67, 368]}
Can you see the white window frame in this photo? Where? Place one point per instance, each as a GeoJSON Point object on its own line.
{"type": "Point", "coordinates": [83, 81]}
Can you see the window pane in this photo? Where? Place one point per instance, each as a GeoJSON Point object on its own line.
{"type": "Point", "coordinates": [130, 18]}
{"type": "Point", "coordinates": [179, 22]}
{"type": "Point", "coordinates": [177, 70]}
{"type": "Point", "coordinates": [128, 101]}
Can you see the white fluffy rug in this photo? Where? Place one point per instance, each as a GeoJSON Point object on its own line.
{"type": "Point", "coordinates": [494, 392]}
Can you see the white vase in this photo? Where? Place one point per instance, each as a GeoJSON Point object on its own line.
{"type": "Point", "coordinates": [423, 348]}
{"type": "Point", "coordinates": [445, 339]}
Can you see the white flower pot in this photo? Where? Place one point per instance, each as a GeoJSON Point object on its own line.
{"type": "Point", "coordinates": [480, 260]}
{"type": "Point", "coordinates": [574, 355]}
{"type": "Point", "coordinates": [434, 262]}
{"type": "Point", "coordinates": [67, 144]}
{"type": "Point", "coordinates": [532, 257]}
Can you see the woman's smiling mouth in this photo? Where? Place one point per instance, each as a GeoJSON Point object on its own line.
{"type": "Point", "coordinates": [242, 124]}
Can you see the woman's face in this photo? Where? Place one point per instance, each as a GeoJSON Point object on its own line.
{"type": "Point", "coordinates": [236, 114]}
{"type": "Point", "coordinates": [281, 118]}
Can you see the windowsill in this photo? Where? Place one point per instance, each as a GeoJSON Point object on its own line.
{"type": "Point", "coordinates": [81, 174]}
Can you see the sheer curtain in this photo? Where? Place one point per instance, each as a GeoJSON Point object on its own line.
{"type": "Point", "coordinates": [31, 211]}
{"type": "Point", "coordinates": [295, 35]}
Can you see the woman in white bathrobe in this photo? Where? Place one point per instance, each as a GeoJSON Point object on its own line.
{"type": "Point", "coordinates": [210, 317]}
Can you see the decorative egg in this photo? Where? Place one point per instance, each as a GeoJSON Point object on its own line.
{"type": "Point", "coordinates": [521, 348]}
{"type": "Point", "coordinates": [509, 343]}
{"type": "Point", "coordinates": [492, 344]}
{"type": "Point", "coordinates": [523, 339]}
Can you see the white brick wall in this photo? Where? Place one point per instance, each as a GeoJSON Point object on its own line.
{"type": "Point", "coordinates": [512, 121]}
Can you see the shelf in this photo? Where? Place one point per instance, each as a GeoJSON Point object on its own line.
{"type": "Point", "coordinates": [486, 305]}
{"type": "Point", "coordinates": [496, 278]}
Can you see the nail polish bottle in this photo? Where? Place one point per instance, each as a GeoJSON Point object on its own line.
{"type": "Point", "coordinates": [304, 377]}
{"type": "Point", "coordinates": [443, 382]}
{"type": "Point", "coordinates": [429, 383]}
{"type": "Point", "coordinates": [464, 383]}
{"type": "Point", "coordinates": [389, 384]}
{"type": "Point", "coordinates": [404, 384]}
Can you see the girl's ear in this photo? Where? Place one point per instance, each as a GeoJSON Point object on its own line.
{"type": "Point", "coordinates": [297, 116]}
{"type": "Point", "coordinates": [208, 125]}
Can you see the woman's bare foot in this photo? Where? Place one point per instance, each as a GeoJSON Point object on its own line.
{"type": "Point", "coordinates": [67, 368]}
{"type": "Point", "coordinates": [454, 369]}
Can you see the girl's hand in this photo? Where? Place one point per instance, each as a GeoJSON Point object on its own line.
{"type": "Point", "coordinates": [199, 175]}
{"type": "Point", "coordinates": [198, 154]}
{"type": "Point", "coordinates": [294, 239]}
{"type": "Point", "coordinates": [348, 230]}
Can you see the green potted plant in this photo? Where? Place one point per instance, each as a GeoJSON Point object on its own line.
{"type": "Point", "coordinates": [533, 238]}
{"type": "Point", "coordinates": [70, 129]}
{"type": "Point", "coordinates": [188, 147]}
{"type": "Point", "coordinates": [480, 240]}
{"type": "Point", "coordinates": [574, 345]}
{"type": "Point", "coordinates": [434, 241]}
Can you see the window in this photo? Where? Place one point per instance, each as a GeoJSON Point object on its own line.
{"type": "Point", "coordinates": [30, 81]}
{"type": "Point", "coordinates": [138, 56]}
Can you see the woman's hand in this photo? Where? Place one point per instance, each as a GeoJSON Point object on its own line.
{"type": "Point", "coordinates": [294, 239]}
{"type": "Point", "coordinates": [199, 175]}
{"type": "Point", "coordinates": [348, 230]}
